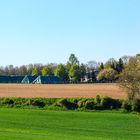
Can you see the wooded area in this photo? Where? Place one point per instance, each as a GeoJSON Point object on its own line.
{"type": "Point", "coordinates": [73, 71]}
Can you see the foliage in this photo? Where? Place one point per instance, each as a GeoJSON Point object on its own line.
{"type": "Point", "coordinates": [107, 75]}
{"type": "Point", "coordinates": [82, 71]}
{"type": "Point", "coordinates": [120, 66]}
{"type": "Point", "coordinates": [130, 79]}
{"type": "Point", "coordinates": [126, 106]}
{"type": "Point", "coordinates": [111, 63]}
{"type": "Point", "coordinates": [47, 70]}
{"type": "Point", "coordinates": [22, 70]}
{"type": "Point", "coordinates": [61, 72]}
{"type": "Point", "coordinates": [100, 67]}
{"type": "Point", "coordinates": [35, 72]}
{"type": "Point", "coordinates": [74, 73]}
{"type": "Point", "coordinates": [88, 72]}
{"type": "Point", "coordinates": [136, 105]}
{"type": "Point", "coordinates": [66, 104]}
{"type": "Point", "coordinates": [73, 60]}
{"type": "Point", "coordinates": [89, 104]}
{"type": "Point", "coordinates": [109, 103]}
{"type": "Point", "coordinates": [99, 103]}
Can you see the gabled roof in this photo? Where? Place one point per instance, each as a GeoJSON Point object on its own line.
{"type": "Point", "coordinates": [28, 79]}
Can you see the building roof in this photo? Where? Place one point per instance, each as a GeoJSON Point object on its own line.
{"type": "Point", "coordinates": [28, 79]}
{"type": "Point", "coordinates": [47, 80]}
{"type": "Point", "coordinates": [11, 79]}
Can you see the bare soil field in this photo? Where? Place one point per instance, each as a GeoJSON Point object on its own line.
{"type": "Point", "coordinates": [61, 91]}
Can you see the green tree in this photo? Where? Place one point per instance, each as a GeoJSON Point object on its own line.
{"type": "Point", "coordinates": [38, 67]}
{"type": "Point", "coordinates": [62, 73]}
{"type": "Point", "coordinates": [100, 67]}
{"type": "Point", "coordinates": [120, 65]}
{"type": "Point", "coordinates": [74, 73]}
{"type": "Point", "coordinates": [93, 76]}
{"type": "Point", "coordinates": [23, 70]}
{"type": "Point", "coordinates": [111, 63]}
{"type": "Point", "coordinates": [82, 71]}
{"type": "Point", "coordinates": [47, 70]}
{"type": "Point", "coordinates": [138, 56]}
{"type": "Point", "coordinates": [73, 60]}
{"type": "Point", "coordinates": [125, 59]}
{"type": "Point", "coordinates": [130, 79]}
{"type": "Point", "coordinates": [108, 75]}
{"type": "Point", "coordinates": [30, 69]}
{"type": "Point", "coordinates": [35, 72]}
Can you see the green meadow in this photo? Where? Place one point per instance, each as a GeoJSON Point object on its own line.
{"type": "Point", "coordinates": [31, 124]}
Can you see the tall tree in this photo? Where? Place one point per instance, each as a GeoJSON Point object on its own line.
{"type": "Point", "coordinates": [30, 68]}
{"type": "Point", "coordinates": [47, 70]}
{"type": "Point", "coordinates": [62, 73]}
{"type": "Point", "coordinates": [23, 70]}
{"type": "Point", "coordinates": [35, 71]}
{"type": "Point", "coordinates": [93, 76]}
{"type": "Point", "coordinates": [120, 66]}
{"type": "Point", "coordinates": [138, 57]}
{"type": "Point", "coordinates": [125, 59]}
{"type": "Point", "coordinates": [82, 71]}
{"type": "Point", "coordinates": [111, 63]}
{"type": "Point", "coordinates": [92, 65]}
{"type": "Point", "coordinates": [107, 75]}
{"type": "Point", "coordinates": [73, 60]}
{"type": "Point", "coordinates": [130, 79]}
{"type": "Point", "coordinates": [100, 67]}
{"type": "Point", "coordinates": [74, 73]}
{"type": "Point", "coordinates": [38, 67]}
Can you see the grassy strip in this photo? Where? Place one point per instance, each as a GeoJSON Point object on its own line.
{"type": "Point", "coordinates": [80, 104]}
{"type": "Point", "coordinates": [36, 124]}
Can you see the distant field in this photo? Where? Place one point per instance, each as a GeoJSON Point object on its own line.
{"type": "Point", "coordinates": [60, 91]}
{"type": "Point", "coordinates": [25, 124]}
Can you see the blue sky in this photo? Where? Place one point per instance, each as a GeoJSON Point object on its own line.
{"type": "Point", "coordinates": [44, 31]}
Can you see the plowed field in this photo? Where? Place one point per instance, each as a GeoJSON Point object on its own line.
{"type": "Point", "coordinates": [61, 91]}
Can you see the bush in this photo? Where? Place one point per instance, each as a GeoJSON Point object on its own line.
{"type": "Point", "coordinates": [38, 102]}
{"type": "Point", "coordinates": [7, 101]}
{"type": "Point", "coordinates": [19, 102]}
{"type": "Point", "coordinates": [109, 103]}
{"type": "Point", "coordinates": [126, 106]}
{"type": "Point", "coordinates": [81, 103]}
{"type": "Point", "coordinates": [97, 99]}
{"type": "Point", "coordinates": [136, 105]}
{"type": "Point", "coordinates": [66, 104]}
{"type": "Point", "coordinates": [89, 104]}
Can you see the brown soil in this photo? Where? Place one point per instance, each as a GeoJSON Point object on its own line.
{"type": "Point", "coordinates": [61, 91]}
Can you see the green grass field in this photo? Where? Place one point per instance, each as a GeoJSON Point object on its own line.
{"type": "Point", "coordinates": [29, 124]}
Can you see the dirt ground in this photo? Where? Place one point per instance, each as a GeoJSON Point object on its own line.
{"type": "Point", "coordinates": [61, 91]}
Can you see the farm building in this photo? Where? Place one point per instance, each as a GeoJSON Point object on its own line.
{"type": "Point", "coordinates": [47, 80]}
{"type": "Point", "coordinates": [16, 79]}
{"type": "Point", "coordinates": [5, 79]}
{"type": "Point", "coordinates": [28, 79]}
{"type": "Point", "coordinates": [11, 79]}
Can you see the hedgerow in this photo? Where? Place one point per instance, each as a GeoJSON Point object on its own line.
{"type": "Point", "coordinates": [89, 104]}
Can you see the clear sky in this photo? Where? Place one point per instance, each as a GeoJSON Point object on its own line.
{"type": "Point", "coordinates": [44, 31]}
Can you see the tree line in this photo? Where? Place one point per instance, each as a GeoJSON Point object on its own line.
{"type": "Point", "coordinates": [74, 71]}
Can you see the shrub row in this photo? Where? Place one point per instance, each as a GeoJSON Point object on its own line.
{"type": "Point", "coordinates": [98, 103]}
